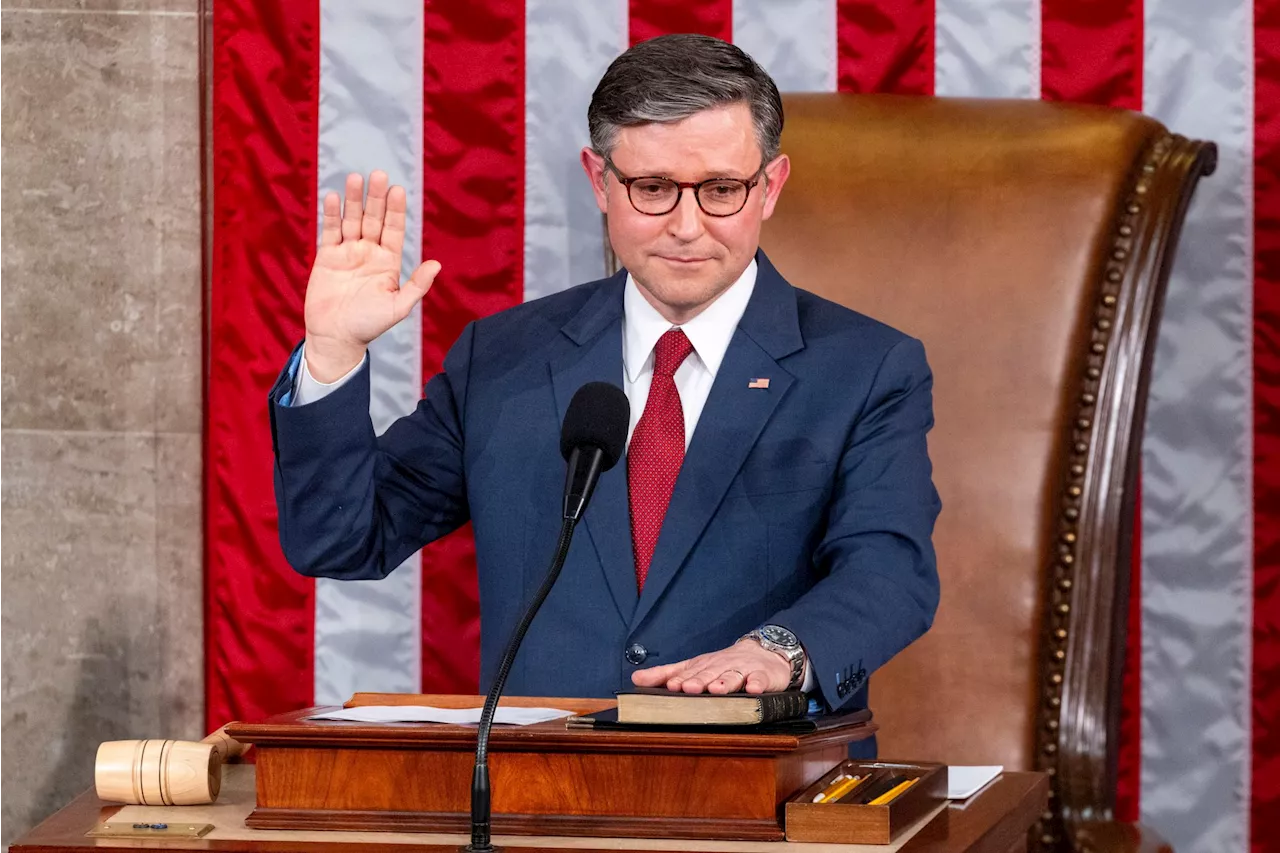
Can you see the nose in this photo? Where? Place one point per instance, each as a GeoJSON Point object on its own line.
{"type": "Point", "coordinates": [685, 222]}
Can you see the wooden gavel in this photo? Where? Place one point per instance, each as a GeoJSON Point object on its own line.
{"type": "Point", "coordinates": [163, 772]}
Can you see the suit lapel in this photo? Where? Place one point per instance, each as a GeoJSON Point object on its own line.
{"type": "Point", "coordinates": [596, 332]}
{"type": "Point", "coordinates": [730, 425]}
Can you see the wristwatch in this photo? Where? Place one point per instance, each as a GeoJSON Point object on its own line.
{"type": "Point", "coordinates": [775, 638]}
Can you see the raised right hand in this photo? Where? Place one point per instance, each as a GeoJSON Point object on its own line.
{"type": "Point", "coordinates": [354, 293]}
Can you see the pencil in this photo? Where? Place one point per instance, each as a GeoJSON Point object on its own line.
{"type": "Point", "coordinates": [838, 789]}
{"type": "Point", "coordinates": [889, 795]}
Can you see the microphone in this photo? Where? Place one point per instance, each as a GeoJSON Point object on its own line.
{"type": "Point", "coordinates": [592, 439]}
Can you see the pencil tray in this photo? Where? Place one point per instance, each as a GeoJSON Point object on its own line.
{"type": "Point", "coordinates": [844, 822]}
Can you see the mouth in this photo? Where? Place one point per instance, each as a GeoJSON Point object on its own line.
{"type": "Point", "coordinates": [683, 260]}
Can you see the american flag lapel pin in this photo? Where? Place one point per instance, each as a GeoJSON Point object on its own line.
{"type": "Point", "coordinates": [759, 383]}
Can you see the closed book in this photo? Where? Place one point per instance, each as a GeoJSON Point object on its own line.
{"type": "Point", "coordinates": [858, 718]}
{"type": "Point", "coordinates": [657, 706]}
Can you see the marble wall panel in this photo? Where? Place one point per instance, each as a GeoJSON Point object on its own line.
{"type": "Point", "coordinates": [99, 430]}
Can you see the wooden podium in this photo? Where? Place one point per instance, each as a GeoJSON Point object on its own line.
{"type": "Point", "coordinates": [547, 779]}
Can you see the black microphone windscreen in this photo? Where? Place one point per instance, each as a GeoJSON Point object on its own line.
{"type": "Point", "coordinates": [598, 416]}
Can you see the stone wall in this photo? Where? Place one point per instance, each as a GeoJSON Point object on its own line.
{"type": "Point", "coordinates": [100, 365]}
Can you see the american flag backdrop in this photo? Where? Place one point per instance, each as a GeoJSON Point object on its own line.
{"type": "Point", "coordinates": [478, 108]}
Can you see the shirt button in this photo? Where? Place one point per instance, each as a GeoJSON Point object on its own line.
{"type": "Point", "coordinates": [636, 654]}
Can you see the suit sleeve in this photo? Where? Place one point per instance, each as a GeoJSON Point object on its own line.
{"type": "Point", "coordinates": [880, 589]}
{"type": "Point", "coordinates": [353, 505]}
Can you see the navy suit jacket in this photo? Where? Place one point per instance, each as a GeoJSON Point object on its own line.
{"type": "Point", "coordinates": [807, 504]}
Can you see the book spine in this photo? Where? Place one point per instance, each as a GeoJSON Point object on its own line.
{"type": "Point", "coordinates": [782, 706]}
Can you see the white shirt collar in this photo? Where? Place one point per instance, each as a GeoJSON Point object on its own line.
{"type": "Point", "coordinates": [709, 332]}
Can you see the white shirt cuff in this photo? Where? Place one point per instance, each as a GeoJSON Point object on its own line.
{"type": "Point", "coordinates": [308, 389]}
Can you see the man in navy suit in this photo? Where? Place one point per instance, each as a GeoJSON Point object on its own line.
{"type": "Point", "coordinates": [771, 526]}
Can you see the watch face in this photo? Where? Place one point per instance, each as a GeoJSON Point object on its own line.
{"type": "Point", "coordinates": [781, 636]}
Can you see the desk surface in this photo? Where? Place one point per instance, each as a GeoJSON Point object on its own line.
{"type": "Point", "coordinates": [995, 820]}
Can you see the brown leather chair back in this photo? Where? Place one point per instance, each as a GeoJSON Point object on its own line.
{"type": "Point", "coordinates": [1027, 245]}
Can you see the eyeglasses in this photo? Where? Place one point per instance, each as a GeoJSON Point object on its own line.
{"type": "Point", "coordinates": [659, 196]}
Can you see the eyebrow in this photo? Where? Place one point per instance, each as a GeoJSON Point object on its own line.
{"type": "Point", "coordinates": [709, 175]}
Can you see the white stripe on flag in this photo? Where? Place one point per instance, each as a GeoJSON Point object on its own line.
{"type": "Point", "coordinates": [987, 48]}
{"type": "Point", "coordinates": [795, 41]}
{"type": "Point", "coordinates": [1196, 520]}
{"type": "Point", "coordinates": [567, 50]}
{"type": "Point", "coordinates": [367, 633]}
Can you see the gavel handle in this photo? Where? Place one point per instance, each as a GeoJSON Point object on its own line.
{"type": "Point", "coordinates": [224, 745]}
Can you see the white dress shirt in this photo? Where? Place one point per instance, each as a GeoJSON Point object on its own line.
{"type": "Point", "coordinates": [642, 325]}
{"type": "Point", "coordinates": [709, 332]}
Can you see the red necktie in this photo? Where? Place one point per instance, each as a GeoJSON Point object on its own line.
{"type": "Point", "coordinates": [656, 451]}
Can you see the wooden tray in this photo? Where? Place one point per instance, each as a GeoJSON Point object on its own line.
{"type": "Point", "coordinates": [850, 823]}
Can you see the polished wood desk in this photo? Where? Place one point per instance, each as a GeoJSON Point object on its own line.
{"type": "Point", "coordinates": [995, 820]}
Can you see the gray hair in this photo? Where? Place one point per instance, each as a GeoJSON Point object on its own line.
{"type": "Point", "coordinates": [669, 78]}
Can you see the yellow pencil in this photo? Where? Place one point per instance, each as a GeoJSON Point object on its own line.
{"type": "Point", "coordinates": [888, 795]}
{"type": "Point", "coordinates": [837, 789]}
{"type": "Point", "coordinates": [835, 783]}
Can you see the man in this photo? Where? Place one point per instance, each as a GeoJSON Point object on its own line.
{"type": "Point", "coordinates": [770, 526]}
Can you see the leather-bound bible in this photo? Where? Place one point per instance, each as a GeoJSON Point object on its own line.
{"type": "Point", "coordinates": [658, 706]}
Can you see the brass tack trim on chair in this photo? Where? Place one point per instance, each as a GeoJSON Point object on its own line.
{"type": "Point", "coordinates": [1078, 652]}
{"type": "Point", "coordinates": [1055, 652]}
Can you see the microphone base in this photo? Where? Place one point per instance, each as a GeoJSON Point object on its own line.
{"type": "Point", "coordinates": [487, 848]}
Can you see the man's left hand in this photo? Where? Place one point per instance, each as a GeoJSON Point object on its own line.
{"type": "Point", "coordinates": [745, 665]}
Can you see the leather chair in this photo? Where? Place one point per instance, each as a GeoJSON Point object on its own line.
{"type": "Point", "coordinates": [1028, 245]}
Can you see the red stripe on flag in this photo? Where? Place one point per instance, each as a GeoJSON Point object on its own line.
{"type": "Point", "coordinates": [1091, 52]}
{"type": "Point", "coordinates": [649, 18]}
{"type": "Point", "coordinates": [473, 223]}
{"type": "Point", "coordinates": [885, 46]}
{"type": "Point", "coordinates": [259, 614]}
{"type": "Point", "coordinates": [1265, 819]}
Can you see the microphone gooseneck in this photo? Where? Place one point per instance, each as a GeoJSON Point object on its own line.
{"type": "Point", "coordinates": [592, 440]}
{"type": "Point", "coordinates": [480, 816]}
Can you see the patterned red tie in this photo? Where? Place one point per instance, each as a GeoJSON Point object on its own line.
{"type": "Point", "coordinates": [656, 451]}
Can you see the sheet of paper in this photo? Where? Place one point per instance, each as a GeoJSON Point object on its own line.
{"type": "Point", "coordinates": [428, 714]}
{"type": "Point", "coordinates": [964, 782]}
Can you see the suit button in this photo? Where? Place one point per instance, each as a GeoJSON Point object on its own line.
{"type": "Point", "coordinates": [842, 689]}
{"type": "Point", "coordinates": [636, 654]}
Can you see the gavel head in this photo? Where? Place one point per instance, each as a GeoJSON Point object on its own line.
{"type": "Point", "coordinates": [158, 772]}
